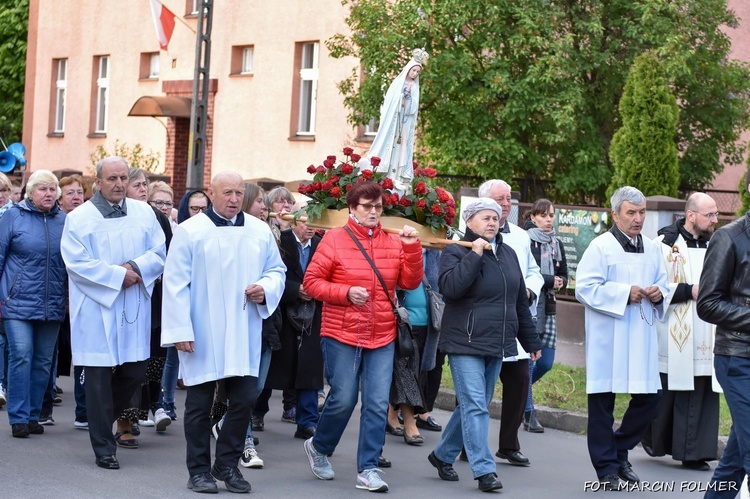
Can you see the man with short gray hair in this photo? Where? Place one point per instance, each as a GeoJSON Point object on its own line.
{"type": "Point", "coordinates": [621, 281]}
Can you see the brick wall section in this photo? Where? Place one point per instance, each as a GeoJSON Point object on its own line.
{"type": "Point", "coordinates": [178, 131]}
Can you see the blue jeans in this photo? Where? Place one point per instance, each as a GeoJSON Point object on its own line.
{"type": "Point", "coordinates": [474, 379]}
{"type": "Point", "coordinates": [307, 409]}
{"type": "Point", "coordinates": [537, 370]}
{"type": "Point", "coordinates": [347, 368]}
{"type": "Point", "coordinates": [31, 345]}
{"type": "Point", "coordinates": [169, 378]}
{"type": "Point", "coordinates": [733, 374]}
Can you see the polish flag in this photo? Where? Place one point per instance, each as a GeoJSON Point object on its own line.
{"type": "Point", "coordinates": [163, 22]}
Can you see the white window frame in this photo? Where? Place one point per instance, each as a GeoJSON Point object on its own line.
{"type": "Point", "coordinates": [247, 63]}
{"type": "Point", "coordinates": [308, 82]}
{"type": "Point", "coordinates": [196, 3]}
{"type": "Point", "coordinates": [61, 85]}
{"type": "Point", "coordinates": [372, 126]}
{"type": "Point", "coordinates": [102, 95]}
{"type": "Point", "coordinates": [154, 65]}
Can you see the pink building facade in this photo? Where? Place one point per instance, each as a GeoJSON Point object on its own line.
{"type": "Point", "coordinates": [274, 105]}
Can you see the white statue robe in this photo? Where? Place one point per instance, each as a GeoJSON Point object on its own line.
{"type": "Point", "coordinates": [207, 271]}
{"type": "Point", "coordinates": [685, 341]}
{"type": "Point", "coordinates": [110, 325]}
{"type": "Point", "coordinates": [518, 240]}
{"type": "Point", "coordinates": [621, 346]}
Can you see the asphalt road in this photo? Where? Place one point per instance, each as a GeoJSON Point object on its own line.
{"type": "Point", "coordinates": [60, 463]}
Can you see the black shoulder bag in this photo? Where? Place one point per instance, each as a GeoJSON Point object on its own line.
{"type": "Point", "coordinates": [404, 336]}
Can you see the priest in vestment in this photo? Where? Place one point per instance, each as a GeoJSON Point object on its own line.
{"type": "Point", "coordinates": [621, 279]}
{"type": "Point", "coordinates": [223, 276]}
{"type": "Point", "coordinates": [114, 252]}
{"type": "Point", "coordinates": [687, 424]}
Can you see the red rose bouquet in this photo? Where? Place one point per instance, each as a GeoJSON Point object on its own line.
{"type": "Point", "coordinates": [426, 205]}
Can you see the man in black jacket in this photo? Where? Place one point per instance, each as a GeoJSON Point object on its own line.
{"type": "Point", "coordinates": [724, 300]}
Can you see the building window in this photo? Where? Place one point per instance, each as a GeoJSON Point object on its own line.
{"type": "Point", "coordinates": [149, 68]}
{"type": "Point", "coordinates": [61, 85]}
{"type": "Point", "coordinates": [102, 93]}
{"type": "Point", "coordinates": [242, 60]}
{"type": "Point", "coordinates": [371, 129]}
{"type": "Point", "coordinates": [192, 7]}
{"type": "Point", "coordinates": [308, 75]}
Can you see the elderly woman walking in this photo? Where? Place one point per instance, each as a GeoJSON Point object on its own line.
{"type": "Point", "coordinates": [32, 293]}
{"type": "Point", "coordinates": [358, 328]}
{"type": "Point", "coordinates": [486, 308]}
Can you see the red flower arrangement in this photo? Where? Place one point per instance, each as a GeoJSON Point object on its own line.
{"type": "Point", "coordinates": [428, 206]}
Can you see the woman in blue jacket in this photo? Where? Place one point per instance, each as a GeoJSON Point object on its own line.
{"type": "Point", "coordinates": [32, 297]}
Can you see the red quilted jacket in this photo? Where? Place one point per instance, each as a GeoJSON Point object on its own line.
{"type": "Point", "coordinates": [338, 265]}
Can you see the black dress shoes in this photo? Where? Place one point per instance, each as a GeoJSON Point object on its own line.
{"type": "Point", "coordinates": [626, 472]}
{"type": "Point", "coordinates": [305, 433]}
{"type": "Point", "coordinates": [612, 483]}
{"type": "Point", "coordinates": [445, 470]}
{"type": "Point", "coordinates": [203, 483]}
{"type": "Point", "coordinates": [398, 431]}
{"type": "Point", "coordinates": [232, 478]}
{"type": "Point", "coordinates": [699, 465]}
{"type": "Point", "coordinates": [428, 424]}
{"type": "Point", "coordinates": [513, 457]}
{"type": "Point", "coordinates": [489, 482]}
{"type": "Point", "coordinates": [108, 462]}
{"type": "Point", "coordinates": [531, 424]}
{"type": "Point", "coordinates": [383, 462]}
{"type": "Point", "coordinates": [256, 423]}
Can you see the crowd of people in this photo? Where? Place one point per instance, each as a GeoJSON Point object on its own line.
{"type": "Point", "coordinates": [122, 288]}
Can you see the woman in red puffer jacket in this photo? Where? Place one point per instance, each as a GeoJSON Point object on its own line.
{"type": "Point", "coordinates": [358, 326]}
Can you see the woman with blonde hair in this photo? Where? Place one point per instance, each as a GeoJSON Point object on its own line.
{"type": "Point", "coordinates": [32, 291]}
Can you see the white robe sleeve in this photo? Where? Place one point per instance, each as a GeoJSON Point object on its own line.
{"type": "Point", "coordinates": [593, 286]}
{"type": "Point", "coordinates": [151, 262]}
{"type": "Point", "coordinates": [177, 324]}
{"type": "Point", "coordinates": [272, 280]}
{"type": "Point", "coordinates": [97, 279]}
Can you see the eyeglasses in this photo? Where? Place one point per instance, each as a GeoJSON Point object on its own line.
{"type": "Point", "coordinates": [710, 216]}
{"type": "Point", "coordinates": [197, 209]}
{"type": "Point", "coordinates": [368, 207]}
{"type": "Point", "coordinates": [159, 203]}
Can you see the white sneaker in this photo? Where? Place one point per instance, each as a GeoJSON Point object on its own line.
{"type": "Point", "coordinates": [147, 423]}
{"type": "Point", "coordinates": [370, 480]}
{"type": "Point", "coordinates": [162, 420]}
{"type": "Point", "coordinates": [250, 458]}
{"type": "Point", "coordinates": [2, 395]}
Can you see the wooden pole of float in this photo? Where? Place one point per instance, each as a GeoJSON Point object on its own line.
{"type": "Point", "coordinates": [433, 240]}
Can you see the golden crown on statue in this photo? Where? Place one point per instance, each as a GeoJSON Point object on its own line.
{"type": "Point", "coordinates": [420, 56]}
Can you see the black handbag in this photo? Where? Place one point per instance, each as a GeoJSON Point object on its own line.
{"type": "Point", "coordinates": [404, 335]}
{"type": "Point", "coordinates": [436, 304]}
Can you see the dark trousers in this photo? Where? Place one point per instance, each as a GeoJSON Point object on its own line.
{"type": "Point", "coordinates": [430, 382]}
{"type": "Point", "coordinates": [241, 392]}
{"type": "Point", "coordinates": [608, 448]}
{"type": "Point", "coordinates": [288, 400]}
{"type": "Point", "coordinates": [515, 379]}
{"type": "Point", "coordinates": [108, 393]}
{"type": "Point", "coordinates": [80, 394]}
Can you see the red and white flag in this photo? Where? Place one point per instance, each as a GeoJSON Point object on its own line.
{"type": "Point", "coordinates": [163, 22]}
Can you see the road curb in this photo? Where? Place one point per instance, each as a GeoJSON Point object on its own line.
{"type": "Point", "coordinates": [557, 419]}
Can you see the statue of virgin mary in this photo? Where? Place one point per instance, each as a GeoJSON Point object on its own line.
{"type": "Point", "coordinates": [394, 142]}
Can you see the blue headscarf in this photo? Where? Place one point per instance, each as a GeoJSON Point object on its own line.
{"type": "Point", "coordinates": [183, 211]}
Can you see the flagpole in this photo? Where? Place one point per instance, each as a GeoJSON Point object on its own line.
{"type": "Point", "coordinates": [185, 24]}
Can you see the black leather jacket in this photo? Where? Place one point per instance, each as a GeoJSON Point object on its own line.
{"type": "Point", "coordinates": [724, 296]}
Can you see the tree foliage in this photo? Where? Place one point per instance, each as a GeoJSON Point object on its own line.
{"type": "Point", "coordinates": [643, 151]}
{"type": "Point", "coordinates": [529, 89]}
{"type": "Point", "coordinates": [14, 20]}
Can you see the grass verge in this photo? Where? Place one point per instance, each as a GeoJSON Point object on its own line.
{"type": "Point", "coordinates": [564, 387]}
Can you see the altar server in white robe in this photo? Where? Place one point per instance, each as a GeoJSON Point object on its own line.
{"type": "Point", "coordinates": [114, 252]}
{"type": "Point", "coordinates": [622, 281]}
{"type": "Point", "coordinates": [687, 424]}
{"type": "Point", "coordinates": [223, 276]}
{"type": "Point", "coordinates": [514, 375]}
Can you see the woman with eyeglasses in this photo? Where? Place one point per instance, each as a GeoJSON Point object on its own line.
{"type": "Point", "coordinates": [358, 328]}
{"type": "Point", "coordinates": [160, 196]}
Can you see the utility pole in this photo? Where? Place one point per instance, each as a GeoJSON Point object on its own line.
{"type": "Point", "coordinates": [199, 108]}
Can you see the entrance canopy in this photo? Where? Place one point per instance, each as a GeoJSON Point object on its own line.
{"type": "Point", "coordinates": [173, 107]}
